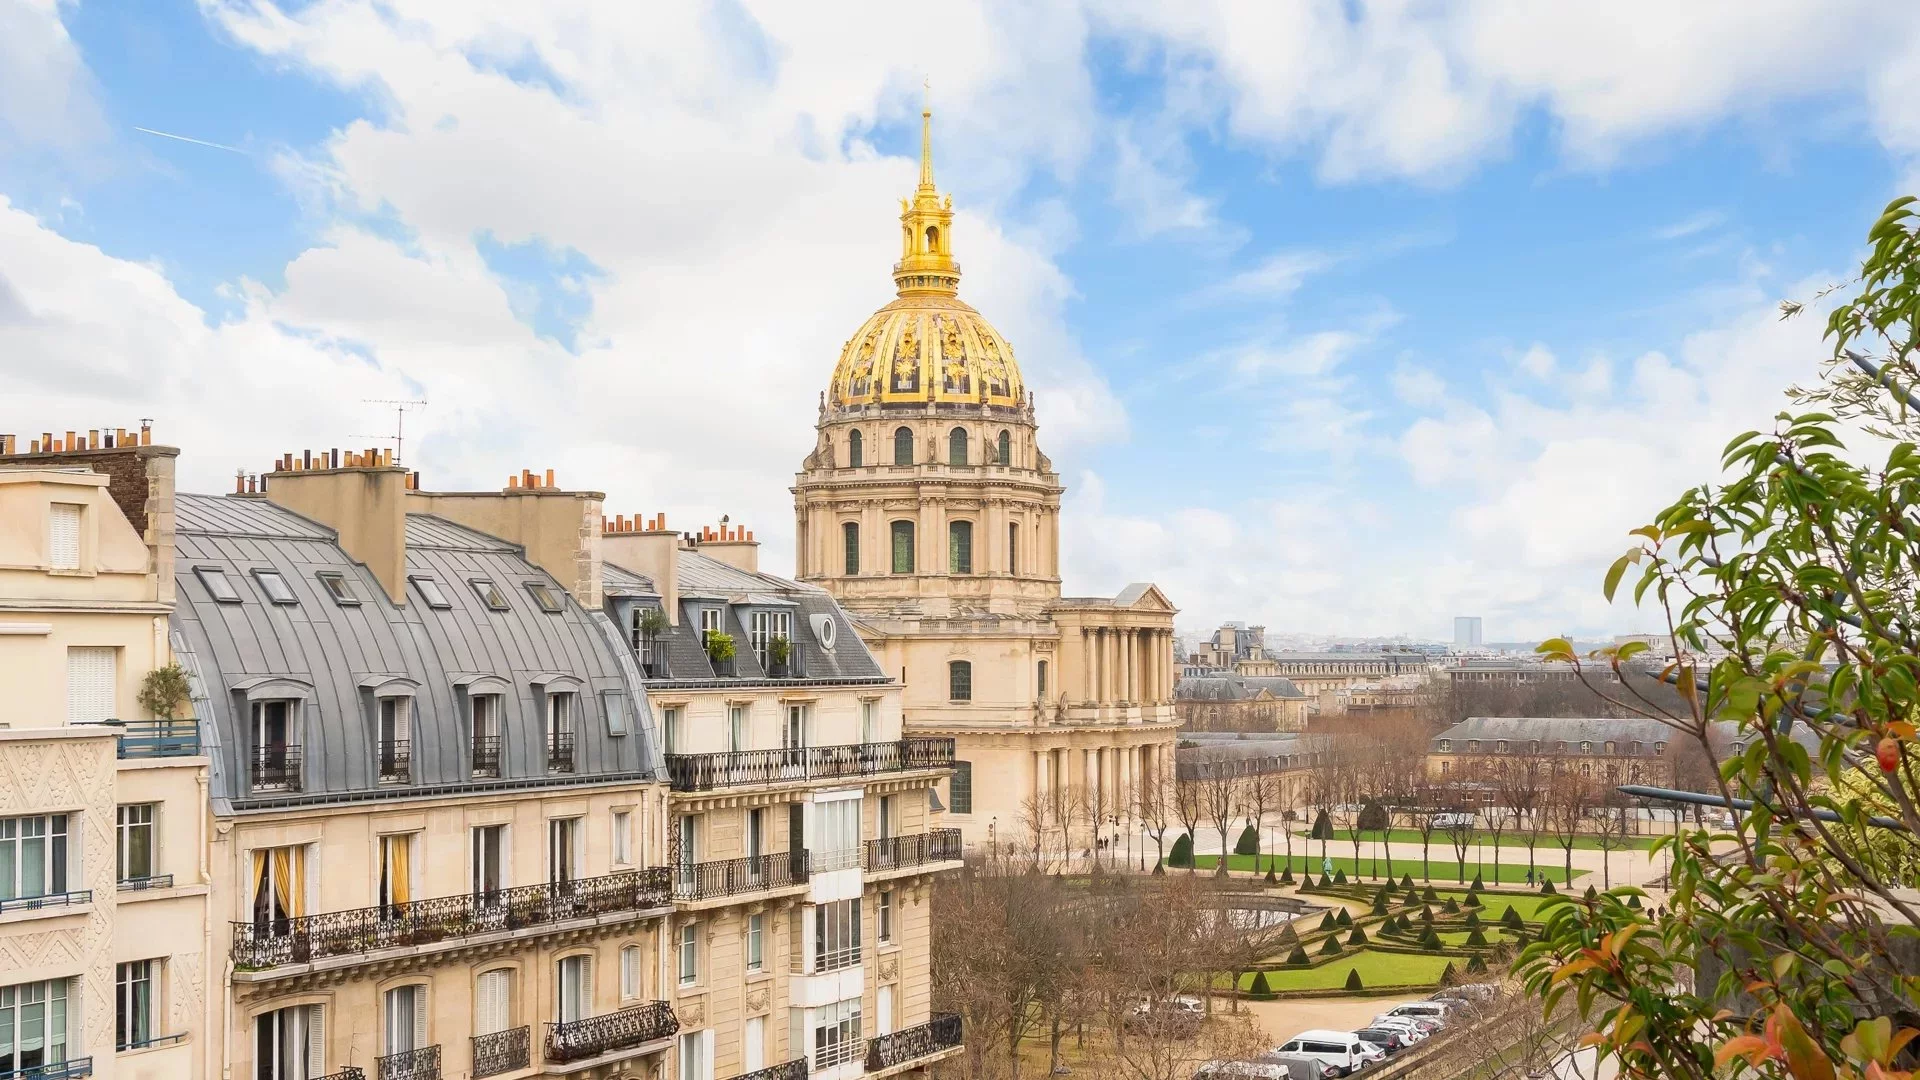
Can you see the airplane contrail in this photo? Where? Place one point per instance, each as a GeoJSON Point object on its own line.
{"type": "Point", "coordinates": [196, 142]}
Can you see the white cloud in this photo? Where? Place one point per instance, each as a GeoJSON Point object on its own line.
{"type": "Point", "coordinates": [1538, 361]}
{"type": "Point", "coordinates": [1275, 277]}
{"type": "Point", "coordinates": [1418, 386]}
{"type": "Point", "coordinates": [1691, 225]}
{"type": "Point", "coordinates": [46, 94]}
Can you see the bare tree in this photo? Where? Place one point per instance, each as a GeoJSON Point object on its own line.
{"type": "Point", "coordinates": [1154, 797]}
{"type": "Point", "coordinates": [1353, 777]}
{"type": "Point", "coordinates": [1521, 785]}
{"type": "Point", "coordinates": [1613, 830]}
{"type": "Point", "coordinates": [999, 958]}
{"type": "Point", "coordinates": [1220, 794]}
{"type": "Point", "coordinates": [1569, 799]}
{"type": "Point", "coordinates": [1426, 818]}
{"type": "Point", "coordinates": [1261, 795]}
{"type": "Point", "coordinates": [1459, 827]}
{"type": "Point", "coordinates": [1188, 807]}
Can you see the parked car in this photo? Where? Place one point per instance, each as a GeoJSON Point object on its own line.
{"type": "Point", "coordinates": [1341, 1049]}
{"type": "Point", "coordinates": [1470, 994]}
{"type": "Point", "coordinates": [1299, 1067]}
{"type": "Point", "coordinates": [1390, 1040]}
{"type": "Point", "coordinates": [1180, 1017]}
{"type": "Point", "coordinates": [1246, 1070]}
{"type": "Point", "coordinates": [1416, 1028]}
{"type": "Point", "coordinates": [1437, 1011]}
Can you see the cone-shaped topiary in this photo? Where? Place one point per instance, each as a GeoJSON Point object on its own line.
{"type": "Point", "coordinates": [1447, 976]}
{"type": "Point", "coordinates": [1286, 876]}
{"type": "Point", "coordinates": [1380, 904]}
{"type": "Point", "coordinates": [1259, 984]}
{"type": "Point", "coordinates": [1512, 920]}
{"type": "Point", "coordinates": [1249, 842]}
{"type": "Point", "coordinates": [1353, 979]}
{"type": "Point", "coordinates": [1159, 868]}
{"type": "Point", "coordinates": [1288, 935]}
{"type": "Point", "coordinates": [1401, 924]}
{"type": "Point", "coordinates": [1426, 916]}
{"type": "Point", "coordinates": [1271, 880]}
{"type": "Point", "coordinates": [1451, 907]}
{"type": "Point", "coordinates": [1473, 918]}
{"type": "Point", "coordinates": [1331, 948]}
{"type": "Point", "coordinates": [1592, 893]}
{"type": "Point", "coordinates": [1299, 956]}
{"type": "Point", "coordinates": [1430, 896]}
{"type": "Point", "coordinates": [1406, 881]}
{"type": "Point", "coordinates": [1476, 966]}
{"type": "Point", "coordinates": [1340, 876]}
{"type": "Point", "coordinates": [1343, 918]}
{"type": "Point", "coordinates": [1358, 937]}
{"type": "Point", "coordinates": [1633, 901]}
{"type": "Point", "coordinates": [1326, 921]}
{"type": "Point", "coordinates": [1472, 900]}
{"type": "Point", "coordinates": [1326, 882]}
{"type": "Point", "coordinates": [1322, 827]}
{"type": "Point", "coordinates": [1182, 853]}
{"type": "Point", "coordinates": [1477, 939]}
{"type": "Point", "coordinates": [1477, 884]}
{"type": "Point", "coordinates": [1548, 889]}
{"type": "Point", "coordinates": [1430, 941]}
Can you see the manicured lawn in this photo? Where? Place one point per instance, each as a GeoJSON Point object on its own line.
{"type": "Point", "coordinates": [1441, 842]}
{"type": "Point", "coordinates": [1437, 869]}
{"type": "Point", "coordinates": [1376, 969]}
{"type": "Point", "coordinates": [1495, 905]}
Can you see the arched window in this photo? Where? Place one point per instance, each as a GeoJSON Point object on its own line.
{"type": "Point", "coordinates": [903, 547]}
{"type": "Point", "coordinates": [960, 547]}
{"type": "Point", "coordinates": [854, 456]}
{"type": "Point", "coordinates": [1006, 448]}
{"type": "Point", "coordinates": [850, 539]}
{"type": "Point", "coordinates": [957, 446]}
{"type": "Point", "coordinates": [959, 680]}
{"type": "Point", "coordinates": [903, 446]}
{"type": "Point", "coordinates": [1040, 680]}
{"type": "Point", "coordinates": [933, 238]}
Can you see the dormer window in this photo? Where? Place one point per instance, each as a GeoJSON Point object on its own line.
{"type": "Point", "coordinates": [1500, 746]}
{"type": "Point", "coordinates": [1659, 748]}
{"type": "Point", "coordinates": [1586, 748]}
{"type": "Point", "coordinates": [215, 582]}
{"type": "Point", "coordinates": [544, 596]}
{"type": "Point", "coordinates": [275, 586]}
{"type": "Point", "coordinates": [63, 536]}
{"type": "Point", "coordinates": [489, 594]}
{"type": "Point", "coordinates": [431, 592]}
{"type": "Point", "coordinates": [1473, 746]}
{"type": "Point", "coordinates": [336, 585]}
{"type": "Point", "coordinates": [1446, 746]}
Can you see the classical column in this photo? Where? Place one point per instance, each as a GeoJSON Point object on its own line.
{"type": "Point", "coordinates": [1039, 775]}
{"type": "Point", "coordinates": [1086, 664]}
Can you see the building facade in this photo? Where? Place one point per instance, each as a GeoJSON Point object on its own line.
{"type": "Point", "coordinates": [929, 511]}
{"type": "Point", "coordinates": [1222, 701]}
{"type": "Point", "coordinates": [1606, 750]}
{"type": "Point", "coordinates": [1314, 672]}
{"type": "Point", "coordinates": [103, 892]}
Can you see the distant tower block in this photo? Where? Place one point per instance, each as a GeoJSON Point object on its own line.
{"type": "Point", "coordinates": [1466, 630]}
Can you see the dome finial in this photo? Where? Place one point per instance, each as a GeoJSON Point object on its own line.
{"type": "Point", "coordinates": [926, 134]}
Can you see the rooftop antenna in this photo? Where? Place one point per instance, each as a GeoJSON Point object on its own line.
{"type": "Point", "coordinates": [399, 407]}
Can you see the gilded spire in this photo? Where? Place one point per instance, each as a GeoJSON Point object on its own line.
{"type": "Point", "coordinates": [926, 253]}
{"type": "Point", "coordinates": [926, 149]}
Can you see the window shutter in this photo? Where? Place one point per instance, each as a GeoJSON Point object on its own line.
{"type": "Point", "coordinates": [492, 994]}
{"type": "Point", "coordinates": [63, 536]}
{"type": "Point", "coordinates": [630, 971]}
{"type": "Point", "coordinates": [402, 719]}
{"type": "Point", "coordinates": [316, 1039]}
{"type": "Point", "coordinates": [419, 1017]}
{"type": "Point", "coordinates": [91, 674]}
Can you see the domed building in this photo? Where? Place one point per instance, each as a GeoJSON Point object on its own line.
{"type": "Point", "coordinates": [929, 511]}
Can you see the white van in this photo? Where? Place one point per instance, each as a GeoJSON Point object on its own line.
{"type": "Point", "coordinates": [1437, 1011]}
{"type": "Point", "coordinates": [1341, 1049]}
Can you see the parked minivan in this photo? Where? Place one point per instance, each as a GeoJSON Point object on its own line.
{"type": "Point", "coordinates": [1426, 1010]}
{"type": "Point", "coordinates": [1341, 1049]}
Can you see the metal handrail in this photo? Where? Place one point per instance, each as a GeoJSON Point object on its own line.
{"type": "Point", "coordinates": [560, 752]}
{"type": "Point", "coordinates": [704, 772]}
{"type": "Point", "coordinates": [786, 1070]}
{"type": "Point", "coordinates": [943, 1032]}
{"type": "Point", "coordinates": [420, 1064]}
{"type": "Point", "coordinates": [59, 1070]}
{"type": "Point", "coordinates": [501, 1051]}
{"type": "Point", "coordinates": [486, 755]}
{"type": "Point", "coordinates": [266, 943]}
{"type": "Point", "coordinates": [275, 768]}
{"type": "Point", "coordinates": [70, 898]}
{"type": "Point", "coordinates": [155, 738]}
{"type": "Point", "coordinates": [732, 877]}
{"type": "Point", "coordinates": [142, 884]}
{"type": "Point", "coordinates": [396, 760]}
{"type": "Point", "coordinates": [592, 1036]}
{"type": "Point", "coordinates": [913, 849]}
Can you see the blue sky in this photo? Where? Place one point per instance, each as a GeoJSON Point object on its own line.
{"type": "Point", "coordinates": [1345, 318]}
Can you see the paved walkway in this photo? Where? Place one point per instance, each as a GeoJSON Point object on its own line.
{"type": "Point", "coordinates": [1626, 867]}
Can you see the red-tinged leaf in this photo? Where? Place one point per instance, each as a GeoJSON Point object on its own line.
{"type": "Point", "coordinates": [1751, 1047]}
{"type": "Point", "coordinates": [1900, 1041]}
{"type": "Point", "coordinates": [1572, 968]}
{"type": "Point", "coordinates": [1805, 1059]}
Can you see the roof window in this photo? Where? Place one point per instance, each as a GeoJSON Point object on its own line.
{"type": "Point", "coordinates": [431, 592]}
{"type": "Point", "coordinates": [275, 586]}
{"type": "Point", "coordinates": [216, 583]}
{"type": "Point", "coordinates": [337, 587]}
{"type": "Point", "coordinates": [489, 593]}
{"type": "Point", "coordinates": [543, 596]}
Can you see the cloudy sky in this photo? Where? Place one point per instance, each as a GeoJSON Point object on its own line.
{"type": "Point", "coordinates": [1346, 317]}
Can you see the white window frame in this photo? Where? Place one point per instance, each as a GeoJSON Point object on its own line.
{"type": "Point", "coordinates": [883, 917]}
{"type": "Point", "coordinates": [756, 947]}
{"type": "Point", "coordinates": [836, 1036]}
{"type": "Point", "coordinates": [630, 965]}
{"type": "Point", "coordinates": [623, 837]}
{"type": "Point", "coordinates": [45, 839]}
{"type": "Point", "coordinates": [688, 954]}
{"type": "Point", "coordinates": [573, 987]}
{"type": "Point", "coordinates": [479, 859]}
{"type": "Point", "coordinates": [130, 820]}
{"type": "Point", "coordinates": [135, 1008]}
{"type": "Point", "coordinates": [403, 1014]}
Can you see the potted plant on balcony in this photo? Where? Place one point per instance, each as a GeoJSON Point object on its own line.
{"type": "Point", "coordinates": [651, 623]}
{"type": "Point", "coordinates": [720, 651]}
{"type": "Point", "coordinates": [164, 691]}
{"type": "Point", "coordinates": [779, 653]}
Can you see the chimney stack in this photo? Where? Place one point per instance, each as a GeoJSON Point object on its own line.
{"type": "Point", "coordinates": [140, 480]}
{"type": "Point", "coordinates": [559, 530]}
{"type": "Point", "coordinates": [647, 546]}
{"type": "Point", "coordinates": [732, 545]}
{"type": "Point", "coordinates": [363, 500]}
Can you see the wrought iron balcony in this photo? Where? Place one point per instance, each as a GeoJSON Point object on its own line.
{"type": "Point", "coordinates": [345, 1072]}
{"type": "Point", "coordinates": [915, 849]}
{"type": "Point", "coordinates": [421, 1064]}
{"type": "Point", "coordinates": [71, 898]}
{"type": "Point", "coordinates": [735, 877]}
{"type": "Point", "coordinates": [705, 772]}
{"type": "Point", "coordinates": [502, 1051]}
{"type": "Point", "coordinates": [786, 1070]}
{"type": "Point", "coordinates": [560, 752]}
{"type": "Point", "coordinates": [70, 1069]}
{"type": "Point", "coordinates": [943, 1032]}
{"type": "Point", "coordinates": [267, 943]}
{"type": "Point", "coordinates": [486, 755]}
{"type": "Point", "coordinates": [594, 1036]}
{"type": "Point", "coordinates": [274, 768]}
{"type": "Point", "coordinates": [396, 761]}
{"type": "Point", "coordinates": [143, 884]}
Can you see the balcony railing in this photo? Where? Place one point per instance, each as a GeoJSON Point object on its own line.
{"type": "Point", "coordinates": [704, 772]}
{"type": "Point", "coordinates": [421, 1064]}
{"type": "Point", "coordinates": [274, 768]}
{"type": "Point", "coordinates": [143, 884]}
{"type": "Point", "coordinates": [156, 738]}
{"type": "Point", "coordinates": [943, 1032]}
{"type": "Point", "coordinates": [840, 959]}
{"type": "Point", "coordinates": [59, 1070]}
{"type": "Point", "coordinates": [502, 1051]}
{"type": "Point", "coordinates": [786, 1070]}
{"type": "Point", "coordinates": [71, 898]}
{"type": "Point", "coordinates": [268, 943]}
{"type": "Point", "coordinates": [396, 761]}
{"type": "Point", "coordinates": [733, 877]}
{"type": "Point", "coordinates": [836, 859]}
{"type": "Point", "coordinates": [560, 752]}
{"type": "Point", "coordinates": [345, 1072]}
{"type": "Point", "coordinates": [849, 1048]}
{"type": "Point", "coordinates": [916, 849]}
{"type": "Point", "coordinates": [578, 1040]}
{"type": "Point", "coordinates": [486, 755]}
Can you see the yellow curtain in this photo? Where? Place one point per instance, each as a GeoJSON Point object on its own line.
{"type": "Point", "coordinates": [259, 873]}
{"type": "Point", "coordinates": [297, 887]}
{"type": "Point", "coordinates": [398, 879]}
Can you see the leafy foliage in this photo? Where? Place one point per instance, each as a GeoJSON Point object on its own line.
{"type": "Point", "coordinates": [164, 691]}
{"type": "Point", "coordinates": [1182, 853]}
{"type": "Point", "coordinates": [1249, 842]}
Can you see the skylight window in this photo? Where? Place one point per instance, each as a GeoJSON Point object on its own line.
{"type": "Point", "coordinates": [431, 592]}
{"type": "Point", "coordinates": [275, 586]}
{"type": "Point", "coordinates": [490, 593]}
{"type": "Point", "coordinates": [338, 588]}
{"type": "Point", "coordinates": [543, 596]}
{"type": "Point", "coordinates": [215, 580]}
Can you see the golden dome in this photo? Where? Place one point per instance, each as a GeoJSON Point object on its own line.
{"type": "Point", "coordinates": [928, 345]}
